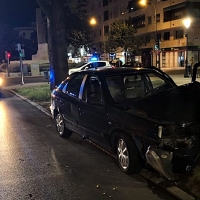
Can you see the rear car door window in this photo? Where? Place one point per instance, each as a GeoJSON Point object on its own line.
{"type": "Point", "coordinates": [73, 86]}
{"type": "Point", "coordinates": [92, 88]}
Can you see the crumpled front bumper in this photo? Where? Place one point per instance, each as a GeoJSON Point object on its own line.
{"type": "Point", "coordinates": [165, 162]}
{"type": "Point", "coordinates": [161, 161]}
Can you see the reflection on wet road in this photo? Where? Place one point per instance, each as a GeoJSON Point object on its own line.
{"type": "Point", "coordinates": [37, 164]}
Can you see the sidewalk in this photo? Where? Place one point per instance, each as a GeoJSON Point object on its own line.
{"type": "Point", "coordinates": [25, 85]}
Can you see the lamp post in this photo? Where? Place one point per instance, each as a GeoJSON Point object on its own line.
{"type": "Point", "coordinates": [157, 42]}
{"type": "Point", "coordinates": [93, 22]}
{"type": "Point", "coordinates": [186, 22]}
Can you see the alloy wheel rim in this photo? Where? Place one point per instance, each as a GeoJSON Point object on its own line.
{"type": "Point", "coordinates": [59, 124]}
{"type": "Point", "coordinates": [123, 155]}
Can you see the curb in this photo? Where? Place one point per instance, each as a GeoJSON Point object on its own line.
{"type": "Point", "coordinates": [159, 181]}
{"type": "Point", "coordinates": [32, 103]}
{"type": "Point", "coordinates": [171, 188]}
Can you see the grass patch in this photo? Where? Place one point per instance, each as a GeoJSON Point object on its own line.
{"type": "Point", "coordinates": [41, 93]}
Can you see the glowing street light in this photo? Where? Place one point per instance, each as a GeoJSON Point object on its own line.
{"type": "Point", "coordinates": [157, 42]}
{"type": "Point", "coordinates": [186, 22]}
{"type": "Point", "coordinates": [143, 2]}
{"type": "Point", "coordinates": [93, 21]}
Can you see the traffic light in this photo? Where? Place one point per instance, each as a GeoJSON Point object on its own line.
{"type": "Point", "coordinates": [20, 54]}
{"type": "Point", "coordinates": [18, 47]}
{"type": "Point", "coordinates": [8, 55]}
{"type": "Point", "coordinates": [157, 45]}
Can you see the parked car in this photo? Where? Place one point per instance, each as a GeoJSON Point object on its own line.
{"type": "Point", "coordinates": [90, 65]}
{"type": "Point", "coordinates": [133, 64]}
{"type": "Point", "coordinates": [139, 114]}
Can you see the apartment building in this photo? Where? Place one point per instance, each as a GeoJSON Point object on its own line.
{"type": "Point", "coordinates": [159, 19]}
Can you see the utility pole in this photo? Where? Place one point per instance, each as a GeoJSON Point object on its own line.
{"type": "Point", "coordinates": [7, 57]}
{"type": "Point", "coordinates": [21, 67]}
{"type": "Point", "coordinates": [21, 52]}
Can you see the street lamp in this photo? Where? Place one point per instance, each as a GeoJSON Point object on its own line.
{"type": "Point", "coordinates": [157, 42]}
{"type": "Point", "coordinates": [186, 22]}
{"type": "Point", "coordinates": [93, 22]}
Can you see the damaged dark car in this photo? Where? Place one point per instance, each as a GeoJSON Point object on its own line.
{"type": "Point", "coordinates": [138, 114]}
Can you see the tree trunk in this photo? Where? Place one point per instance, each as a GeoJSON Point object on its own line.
{"type": "Point", "coordinates": [58, 41]}
{"type": "Point", "coordinates": [50, 52]}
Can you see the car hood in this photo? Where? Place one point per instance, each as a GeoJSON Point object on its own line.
{"type": "Point", "coordinates": [177, 105]}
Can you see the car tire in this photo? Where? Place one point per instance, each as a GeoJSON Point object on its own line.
{"type": "Point", "coordinates": [60, 126]}
{"type": "Point", "coordinates": [127, 154]}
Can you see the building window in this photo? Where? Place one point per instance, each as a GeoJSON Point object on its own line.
{"type": "Point", "coordinates": [147, 39]}
{"type": "Point", "coordinates": [149, 20]}
{"type": "Point", "coordinates": [139, 21]}
{"type": "Point", "coordinates": [159, 36]}
{"type": "Point", "coordinates": [166, 35]}
{"type": "Point", "coordinates": [133, 6]}
{"type": "Point", "coordinates": [158, 18]}
{"type": "Point", "coordinates": [179, 34]}
{"type": "Point", "coordinates": [105, 3]}
{"type": "Point", "coordinates": [106, 15]}
{"type": "Point", "coordinates": [175, 12]}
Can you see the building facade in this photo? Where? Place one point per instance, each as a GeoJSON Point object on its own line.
{"type": "Point", "coordinates": [25, 32]}
{"type": "Point", "coordinates": [158, 21]}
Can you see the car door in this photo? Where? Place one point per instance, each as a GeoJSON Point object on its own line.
{"type": "Point", "coordinates": [69, 101]}
{"type": "Point", "coordinates": [93, 116]}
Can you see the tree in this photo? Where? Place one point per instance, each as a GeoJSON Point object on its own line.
{"type": "Point", "coordinates": [78, 29]}
{"type": "Point", "coordinates": [6, 40]}
{"type": "Point", "coordinates": [57, 41]}
{"type": "Point", "coordinates": [122, 35]}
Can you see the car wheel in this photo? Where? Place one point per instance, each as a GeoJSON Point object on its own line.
{"type": "Point", "coordinates": [127, 155]}
{"type": "Point", "coordinates": [61, 128]}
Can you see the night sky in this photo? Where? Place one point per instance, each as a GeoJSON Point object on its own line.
{"type": "Point", "coordinates": [17, 13]}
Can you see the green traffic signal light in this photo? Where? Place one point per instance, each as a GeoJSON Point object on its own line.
{"type": "Point", "coordinates": [157, 45]}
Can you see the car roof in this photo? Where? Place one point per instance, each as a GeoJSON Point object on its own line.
{"type": "Point", "coordinates": [109, 71]}
{"type": "Point", "coordinates": [97, 61]}
{"type": "Point", "coordinates": [126, 70]}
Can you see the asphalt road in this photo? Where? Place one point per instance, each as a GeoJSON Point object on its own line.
{"type": "Point", "coordinates": [37, 164]}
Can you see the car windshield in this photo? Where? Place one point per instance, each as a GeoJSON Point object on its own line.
{"type": "Point", "coordinates": [80, 64]}
{"type": "Point", "coordinates": [123, 88]}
